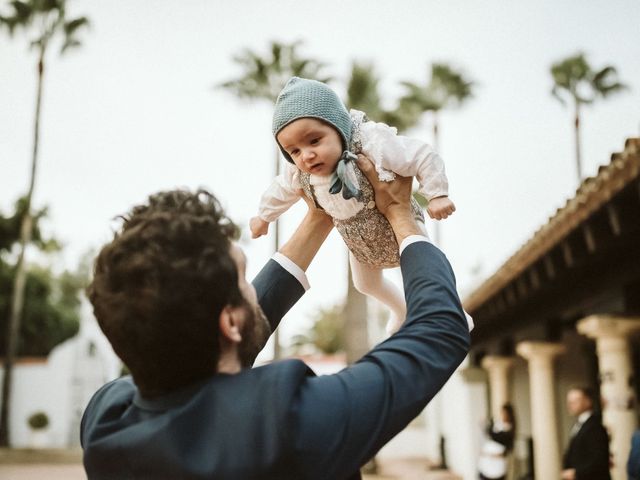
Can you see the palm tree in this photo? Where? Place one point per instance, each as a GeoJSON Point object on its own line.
{"type": "Point", "coordinates": [326, 334]}
{"type": "Point", "coordinates": [262, 79]}
{"type": "Point", "coordinates": [573, 77]}
{"type": "Point", "coordinates": [447, 88]}
{"type": "Point", "coordinates": [363, 94]}
{"type": "Point", "coordinates": [42, 21]}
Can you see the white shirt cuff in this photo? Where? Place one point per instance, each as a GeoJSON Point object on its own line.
{"type": "Point", "coordinates": [293, 269]}
{"type": "Point", "coordinates": [412, 239]}
{"type": "Point", "coordinates": [470, 323]}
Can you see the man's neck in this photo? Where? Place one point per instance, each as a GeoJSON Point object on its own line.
{"type": "Point", "coordinates": [228, 362]}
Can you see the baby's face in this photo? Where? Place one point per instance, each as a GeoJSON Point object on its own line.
{"type": "Point", "coordinates": [314, 146]}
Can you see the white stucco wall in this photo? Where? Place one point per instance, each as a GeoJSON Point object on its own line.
{"type": "Point", "coordinates": [464, 413]}
{"type": "Point", "coordinates": [458, 412]}
{"type": "Point", "coordinates": [61, 385]}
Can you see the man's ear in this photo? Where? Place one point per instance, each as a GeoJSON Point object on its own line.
{"type": "Point", "coordinates": [230, 326]}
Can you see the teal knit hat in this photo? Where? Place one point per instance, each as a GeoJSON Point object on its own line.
{"type": "Point", "coordinates": [303, 98]}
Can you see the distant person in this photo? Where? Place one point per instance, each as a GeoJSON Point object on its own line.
{"type": "Point", "coordinates": [587, 456]}
{"type": "Point", "coordinates": [320, 140]}
{"type": "Point", "coordinates": [170, 294]}
{"type": "Point", "coordinates": [500, 437]}
{"type": "Point", "coordinates": [633, 464]}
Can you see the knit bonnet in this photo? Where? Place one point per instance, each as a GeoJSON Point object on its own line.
{"type": "Point", "coordinates": [303, 98]}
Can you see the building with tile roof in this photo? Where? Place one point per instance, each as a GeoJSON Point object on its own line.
{"type": "Point", "coordinates": [564, 309]}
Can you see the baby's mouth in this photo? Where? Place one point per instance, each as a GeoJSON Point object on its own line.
{"type": "Point", "coordinates": [315, 166]}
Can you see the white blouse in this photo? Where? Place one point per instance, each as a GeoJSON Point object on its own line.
{"type": "Point", "coordinates": [391, 153]}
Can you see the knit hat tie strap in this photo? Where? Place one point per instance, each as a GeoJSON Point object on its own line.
{"type": "Point", "coordinates": [344, 179]}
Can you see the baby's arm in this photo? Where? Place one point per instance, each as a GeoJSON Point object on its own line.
{"type": "Point", "coordinates": [409, 157]}
{"type": "Point", "coordinates": [283, 192]}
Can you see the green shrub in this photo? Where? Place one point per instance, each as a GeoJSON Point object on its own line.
{"type": "Point", "coordinates": [38, 421]}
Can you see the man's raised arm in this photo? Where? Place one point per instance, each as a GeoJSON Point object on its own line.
{"type": "Point", "coordinates": [282, 281]}
{"type": "Point", "coordinates": [344, 419]}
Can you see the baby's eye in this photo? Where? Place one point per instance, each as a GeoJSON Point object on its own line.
{"type": "Point", "coordinates": [314, 141]}
{"type": "Point", "coordinates": [295, 152]}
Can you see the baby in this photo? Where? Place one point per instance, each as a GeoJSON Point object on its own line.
{"type": "Point", "coordinates": [320, 139]}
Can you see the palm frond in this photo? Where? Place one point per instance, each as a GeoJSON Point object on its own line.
{"type": "Point", "coordinates": [264, 77]}
{"type": "Point", "coordinates": [23, 11]}
{"type": "Point", "coordinates": [22, 16]}
{"type": "Point", "coordinates": [449, 86]}
{"type": "Point", "coordinates": [300, 67]}
{"type": "Point", "coordinates": [362, 90]}
{"type": "Point", "coordinates": [555, 91]}
{"type": "Point", "coordinates": [561, 77]}
{"type": "Point", "coordinates": [69, 43]}
{"type": "Point", "coordinates": [48, 5]}
{"type": "Point", "coordinates": [276, 54]}
{"type": "Point", "coordinates": [575, 76]}
{"type": "Point", "coordinates": [71, 26]}
{"type": "Point", "coordinates": [9, 22]}
{"type": "Point", "coordinates": [51, 21]}
{"type": "Point", "coordinates": [583, 99]}
{"type": "Point", "coordinates": [605, 91]}
{"type": "Point", "coordinates": [605, 82]}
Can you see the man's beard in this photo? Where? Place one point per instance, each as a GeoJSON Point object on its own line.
{"type": "Point", "coordinates": [255, 334]}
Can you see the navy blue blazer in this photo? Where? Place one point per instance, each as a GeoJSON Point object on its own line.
{"type": "Point", "coordinates": [279, 421]}
{"type": "Point", "coordinates": [633, 463]}
{"type": "Point", "coordinates": [588, 451]}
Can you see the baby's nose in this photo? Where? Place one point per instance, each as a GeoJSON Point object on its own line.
{"type": "Point", "coordinates": [308, 154]}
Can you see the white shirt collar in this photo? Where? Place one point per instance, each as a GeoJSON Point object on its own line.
{"type": "Point", "coordinates": [584, 416]}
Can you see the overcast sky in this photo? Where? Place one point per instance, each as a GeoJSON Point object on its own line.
{"type": "Point", "coordinates": [134, 111]}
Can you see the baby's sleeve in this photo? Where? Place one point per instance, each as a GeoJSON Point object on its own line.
{"type": "Point", "coordinates": [281, 194]}
{"type": "Point", "coordinates": [405, 156]}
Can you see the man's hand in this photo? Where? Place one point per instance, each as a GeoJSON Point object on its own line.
{"type": "Point", "coordinates": [258, 227]}
{"type": "Point", "coordinates": [393, 199]}
{"type": "Point", "coordinates": [388, 195]}
{"type": "Point", "coordinates": [440, 208]}
{"type": "Point", "coordinates": [568, 474]}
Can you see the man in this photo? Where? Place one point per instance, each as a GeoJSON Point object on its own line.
{"type": "Point", "coordinates": [633, 463]}
{"type": "Point", "coordinates": [170, 294]}
{"type": "Point", "coordinates": [587, 456]}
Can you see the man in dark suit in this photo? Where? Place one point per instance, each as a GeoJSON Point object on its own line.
{"type": "Point", "coordinates": [587, 456]}
{"type": "Point", "coordinates": [633, 463]}
{"type": "Point", "coordinates": [171, 296]}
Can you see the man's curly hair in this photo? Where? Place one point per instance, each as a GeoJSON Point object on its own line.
{"type": "Point", "coordinates": [159, 288]}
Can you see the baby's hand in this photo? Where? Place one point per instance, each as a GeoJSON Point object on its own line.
{"type": "Point", "coordinates": [440, 208]}
{"type": "Point", "coordinates": [258, 227]}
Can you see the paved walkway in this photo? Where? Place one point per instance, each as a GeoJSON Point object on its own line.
{"type": "Point", "coordinates": [409, 469]}
{"type": "Point", "coordinates": [27, 464]}
{"type": "Point", "coordinates": [42, 472]}
{"type": "Point", "coordinates": [61, 465]}
{"type": "Point", "coordinates": [396, 470]}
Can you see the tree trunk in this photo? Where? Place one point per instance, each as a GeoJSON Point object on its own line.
{"type": "Point", "coordinates": [17, 296]}
{"type": "Point", "coordinates": [578, 152]}
{"type": "Point", "coordinates": [356, 336]}
{"type": "Point", "coordinates": [356, 325]}
{"type": "Point", "coordinates": [277, 349]}
{"type": "Point", "coordinates": [436, 146]}
{"type": "Point", "coordinates": [436, 140]}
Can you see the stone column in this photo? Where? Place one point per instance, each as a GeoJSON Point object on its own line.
{"type": "Point", "coordinates": [546, 449]}
{"type": "Point", "coordinates": [477, 406]}
{"type": "Point", "coordinates": [498, 371]}
{"type": "Point", "coordinates": [614, 364]}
